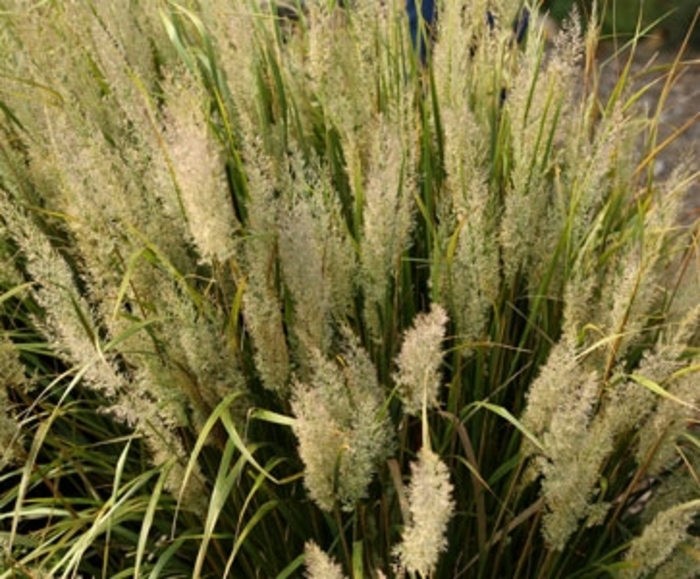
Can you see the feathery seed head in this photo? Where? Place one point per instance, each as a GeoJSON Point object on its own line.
{"type": "Point", "coordinates": [342, 433]}
{"type": "Point", "coordinates": [319, 565]}
{"type": "Point", "coordinates": [659, 539]}
{"type": "Point", "coordinates": [431, 507]}
{"type": "Point", "coordinates": [419, 361]}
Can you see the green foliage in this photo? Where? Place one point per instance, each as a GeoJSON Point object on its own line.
{"type": "Point", "coordinates": [275, 295]}
{"type": "Point", "coordinates": [672, 21]}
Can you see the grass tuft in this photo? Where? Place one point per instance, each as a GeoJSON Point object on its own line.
{"type": "Point", "coordinates": [280, 296]}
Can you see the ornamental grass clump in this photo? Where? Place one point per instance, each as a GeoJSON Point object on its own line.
{"type": "Point", "coordinates": [294, 296]}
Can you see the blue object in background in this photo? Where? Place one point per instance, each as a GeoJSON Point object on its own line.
{"type": "Point", "coordinates": [423, 14]}
{"type": "Point", "coordinates": [421, 18]}
{"type": "Point", "coordinates": [521, 25]}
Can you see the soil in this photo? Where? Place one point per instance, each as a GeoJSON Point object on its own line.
{"type": "Point", "coordinates": [680, 113]}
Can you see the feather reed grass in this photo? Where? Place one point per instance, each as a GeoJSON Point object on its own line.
{"type": "Point", "coordinates": [278, 297]}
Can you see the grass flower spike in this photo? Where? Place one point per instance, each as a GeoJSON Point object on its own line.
{"type": "Point", "coordinates": [419, 361]}
{"type": "Point", "coordinates": [431, 508]}
{"type": "Point", "coordinates": [319, 565]}
{"type": "Point", "coordinates": [342, 433]}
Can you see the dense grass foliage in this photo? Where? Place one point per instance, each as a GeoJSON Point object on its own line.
{"type": "Point", "coordinates": [280, 300]}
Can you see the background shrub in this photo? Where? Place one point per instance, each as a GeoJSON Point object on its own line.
{"type": "Point", "coordinates": [670, 21]}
